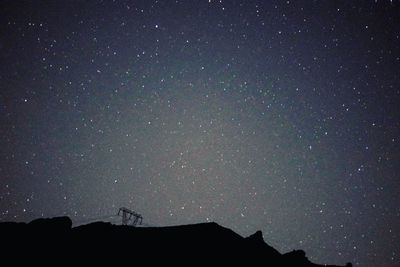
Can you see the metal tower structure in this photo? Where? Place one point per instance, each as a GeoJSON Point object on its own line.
{"type": "Point", "coordinates": [130, 217]}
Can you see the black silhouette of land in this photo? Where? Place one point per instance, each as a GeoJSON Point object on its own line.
{"type": "Point", "coordinates": [55, 242]}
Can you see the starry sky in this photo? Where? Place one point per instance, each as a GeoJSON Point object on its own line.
{"type": "Point", "coordinates": [280, 116]}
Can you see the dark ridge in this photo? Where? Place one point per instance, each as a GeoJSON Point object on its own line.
{"type": "Point", "coordinates": [54, 242]}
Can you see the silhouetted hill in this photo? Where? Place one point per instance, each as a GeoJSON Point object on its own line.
{"type": "Point", "coordinates": [55, 242]}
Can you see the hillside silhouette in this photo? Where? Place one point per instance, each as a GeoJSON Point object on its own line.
{"type": "Point", "coordinates": [54, 242]}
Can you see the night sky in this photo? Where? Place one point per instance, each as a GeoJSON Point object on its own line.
{"type": "Point", "coordinates": [259, 115]}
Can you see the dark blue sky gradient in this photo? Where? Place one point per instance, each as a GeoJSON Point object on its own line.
{"type": "Point", "coordinates": [280, 116]}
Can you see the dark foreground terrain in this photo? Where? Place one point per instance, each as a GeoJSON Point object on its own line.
{"type": "Point", "coordinates": [54, 242]}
